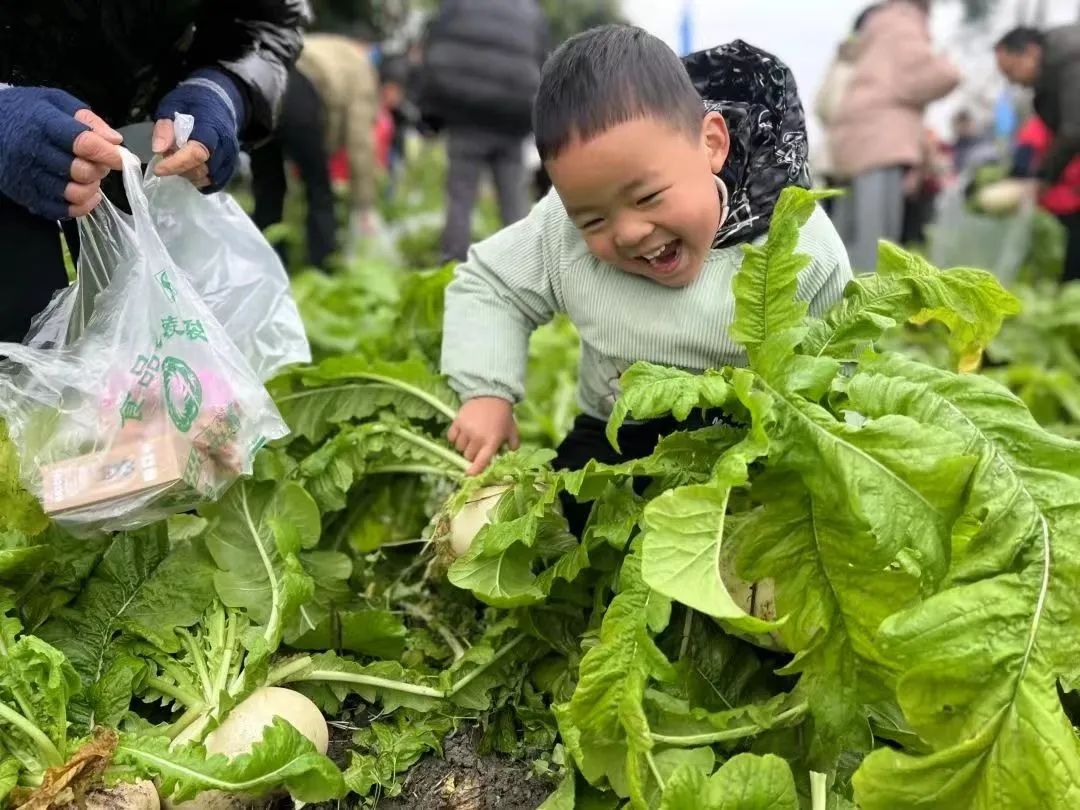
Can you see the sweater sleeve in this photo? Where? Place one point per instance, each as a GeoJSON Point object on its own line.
{"type": "Point", "coordinates": [823, 280]}
{"type": "Point", "coordinates": [506, 288]}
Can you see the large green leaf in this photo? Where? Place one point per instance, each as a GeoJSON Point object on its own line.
{"type": "Point", "coordinates": [979, 660]}
{"type": "Point", "coordinates": [283, 757]}
{"type": "Point", "coordinates": [605, 717]}
{"type": "Point", "coordinates": [864, 518]}
{"type": "Point", "coordinates": [377, 633]}
{"type": "Point", "coordinates": [766, 304]}
{"type": "Point", "coordinates": [860, 531]}
{"type": "Point", "coordinates": [142, 587]}
{"type": "Point", "coordinates": [345, 389]}
{"type": "Point", "coordinates": [256, 534]}
{"type": "Point", "coordinates": [370, 449]}
{"type": "Point", "coordinates": [526, 529]}
{"type": "Point", "coordinates": [744, 782]}
{"type": "Point", "coordinates": [649, 391]}
{"type": "Point", "coordinates": [36, 687]}
{"type": "Point", "coordinates": [682, 545]}
{"type": "Point", "coordinates": [971, 303]}
{"type": "Point", "coordinates": [19, 510]}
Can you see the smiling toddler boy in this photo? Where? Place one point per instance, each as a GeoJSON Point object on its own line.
{"type": "Point", "coordinates": [662, 169]}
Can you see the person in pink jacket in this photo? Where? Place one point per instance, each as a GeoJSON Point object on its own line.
{"type": "Point", "coordinates": [876, 136]}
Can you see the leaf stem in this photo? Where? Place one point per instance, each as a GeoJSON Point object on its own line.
{"type": "Point", "coordinates": [655, 771]}
{"type": "Point", "coordinates": [199, 660]}
{"type": "Point", "coordinates": [727, 735]}
{"type": "Point", "coordinates": [275, 594]}
{"type": "Point", "coordinates": [412, 390]}
{"type": "Point", "coordinates": [688, 625]}
{"type": "Point", "coordinates": [412, 469]}
{"type": "Point", "coordinates": [177, 693]}
{"type": "Point", "coordinates": [368, 680]}
{"type": "Point", "coordinates": [285, 671]}
{"type": "Point", "coordinates": [187, 719]}
{"type": "Point", "coordinates": [294, 672]}
{"type": "Point", "coordinates": [51, 753]}
{"type": "Point", "coordinates": [502, 651]}
{"type": "Point", "coordinates": [432, 447]}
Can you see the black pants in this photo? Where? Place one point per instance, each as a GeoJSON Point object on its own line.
{"type": "Point", "coordinates": [587, 440]}
{"type": "Point", "coordinates": [300, 137]}
{"type": "Point", "coordinates": [1072, 246]}
{"type": "Point", "coordinates": [33, 268]}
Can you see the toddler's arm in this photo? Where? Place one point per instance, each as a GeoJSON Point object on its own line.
{"type": "Point", "coordinates": [505, 289]}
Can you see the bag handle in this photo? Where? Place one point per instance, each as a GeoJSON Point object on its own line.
{"type": "Point", "coordinates": [136, 196]}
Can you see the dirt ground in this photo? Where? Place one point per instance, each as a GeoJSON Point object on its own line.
{"type": "Point", "coordinates": [460, 780]}
{"type": "Point", "coordinates": [464, 781]}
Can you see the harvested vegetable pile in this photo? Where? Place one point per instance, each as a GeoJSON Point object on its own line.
{"type": "Point", "coordinates": [859, 589]}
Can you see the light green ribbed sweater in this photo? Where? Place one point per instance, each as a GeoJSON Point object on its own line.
{"type": "Point", "coordinates": [525, 274]}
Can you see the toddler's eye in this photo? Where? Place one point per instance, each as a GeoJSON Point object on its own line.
{"type": "Point", "coordinates": [649, 198]}
{"type": "Point", "coordinates": [591, 225]}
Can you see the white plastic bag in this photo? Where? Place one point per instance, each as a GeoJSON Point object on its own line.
{"type": "Point", "coordinates": [962, 237]}
{"type": "Point", "coordinates": [151, 408]}
{"type": "Point", "coordinates": [225, 257]}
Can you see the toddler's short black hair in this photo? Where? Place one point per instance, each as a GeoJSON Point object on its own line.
{"type": "Point", "coordinates": [607, 76]}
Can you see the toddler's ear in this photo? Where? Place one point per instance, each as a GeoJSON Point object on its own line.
{"type": "Point", "coordinates": [716, 140]}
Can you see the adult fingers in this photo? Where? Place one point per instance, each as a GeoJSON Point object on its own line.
{"type": "Point", "coordinates": [98, 125]}
{"type": "Point", "coordinates": [85, 208]}
{"type": "Point", "coordinates": [184, 160]}
{"type": "Point", "coordinates": [83, 171]}
{"type": "Point", "coordinates": [91, 146]}
{"type": "Point", "coordinates": [199, 176]}
{"type": "Point", "coordinates": [81, 193]}
{"type": "Point", "coordinates": [164, 138]}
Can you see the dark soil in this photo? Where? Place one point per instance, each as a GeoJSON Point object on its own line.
{"type": "Point", "coordinates": [462, 780]}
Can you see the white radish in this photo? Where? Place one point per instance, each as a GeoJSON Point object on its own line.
{"type": "Point", "coordinates": [243, 727]}
{"type": "Point", "coordinates": [141, 795]}
{"type": "Point", "coordinates": [472, 517]}
{"type": "Point", "coordinates": [245, 724]}
{"type": "Point", "coordinates": [757, 599]}
{"type": "Point", "coordinates": [1004, 196]}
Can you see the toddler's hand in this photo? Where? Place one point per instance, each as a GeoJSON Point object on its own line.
{"type": "Point", "coordinates": [482, 427]}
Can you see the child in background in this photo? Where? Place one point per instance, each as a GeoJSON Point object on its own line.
{"type": "Point", "coordinates": [662, 171]}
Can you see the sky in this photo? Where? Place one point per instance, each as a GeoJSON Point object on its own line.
{"type": "Point", "coordinates": [804, 33]}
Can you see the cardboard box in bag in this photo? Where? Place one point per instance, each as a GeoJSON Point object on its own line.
{"type": "Point", "coordinates": [153, 463]}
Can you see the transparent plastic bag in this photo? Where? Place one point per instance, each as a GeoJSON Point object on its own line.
{"type": "Point", "coordinates": [962, 237]}
{"type": "Point", "coordinates": [150, 408]}
{"type": "Point", "coordinates": [226, 259]}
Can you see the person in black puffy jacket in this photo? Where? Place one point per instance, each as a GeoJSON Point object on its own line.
{"type": "Point", "coordinates": [73, 72]}
{"type": "Point", "coordinates": [482, 62]}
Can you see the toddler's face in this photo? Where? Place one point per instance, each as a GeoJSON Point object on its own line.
{"type": "Point", "coordinates": [643, 194]}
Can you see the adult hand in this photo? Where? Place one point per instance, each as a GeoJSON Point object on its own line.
{"type": "Point", "coordinates": [54, 151]}
{"type": "Point", "coordinates": [211, 155]}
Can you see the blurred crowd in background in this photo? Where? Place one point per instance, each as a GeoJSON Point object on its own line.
{"type": "Point", "coordinates": [441, 92]}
